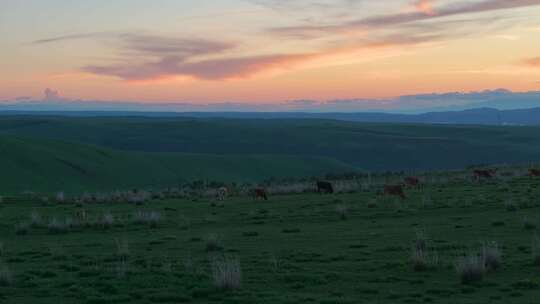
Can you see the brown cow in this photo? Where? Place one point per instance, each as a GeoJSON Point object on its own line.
{"type": "Point", "coordinates": [486, 174]}
{"type": "Point", "coordinates": [534, 172]}
{"type": "Point", "coordinates": [395, 190]}
{"type": "Point", "coordinates": [260, 193]}
{"type": "Point", "coordinates": [412, 181]}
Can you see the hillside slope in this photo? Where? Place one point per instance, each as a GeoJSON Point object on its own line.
{"type": "Point", "coordinates": [48, 165]}
{"type": "Point", "coordinates": [361, 145]}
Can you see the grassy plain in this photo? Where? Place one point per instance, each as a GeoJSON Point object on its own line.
{"type": "Point", "coordinates": [304, 248]}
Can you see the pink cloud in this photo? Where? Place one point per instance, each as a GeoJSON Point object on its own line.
{"type": "Point", "coordinates": [389, 20]}
{"type": "Point", "coordinates": [533, 62]}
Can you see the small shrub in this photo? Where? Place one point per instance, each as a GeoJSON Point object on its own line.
{"type": "Point", "coordinates": [226, 273]}
{"type": "Point", "coordinates": [22, 228]}
{"type": "Point", "coordinates": [342, 211]}
{"type": "Point", "coordinates": [213, 242]}
{"type": "Point", "coordinates": [5, 276]}
{"type": "Point", "coordinates": [470, 268]}
{"type": "Point", "coordinates": [491, 254]}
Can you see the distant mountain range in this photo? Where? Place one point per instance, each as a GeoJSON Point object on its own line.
{"type": "Point", "coordinates": [480, 116]}
{"type": "Point", "coordinates": [500, 99]}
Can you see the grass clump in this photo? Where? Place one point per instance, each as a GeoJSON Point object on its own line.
{"type": "Point", "coordinates": [107, 220]}
{"type": "Point", "coordinates": [151, 218]}
{"type": "Point", "coordinates": [213, 243]}
{"type": "Point", "coordinates": [510, 205]}
{"type": "Point", "coordinates": [492, 256]}
{"type": "Point", "coordinates": [343, 211]}
{"type": "Point", "coordinates": [470, 268]}
{"type": "Point", "coordinates": [56, 226]}
{"type": "Point", "coordinates": [528, 224]}
{"type": "Point", "coordinates": [35, 220]}
{"type": "Point", "coordinates": [22, 228]}
{"type": "Point", "coordinates": [421, 257]}
{"type": "Point", "coordinates": [226, 273]}
{"type": "Point", "coordinates": [535, 250]}
{"type": "Point", "coordinates": [6, 277]}
{"type": "Point", "coordinates": [122, 249]}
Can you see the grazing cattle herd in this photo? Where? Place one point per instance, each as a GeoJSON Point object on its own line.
{"type": "Point", "coordinates": [397, 190]}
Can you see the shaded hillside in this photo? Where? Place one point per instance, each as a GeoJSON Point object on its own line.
{"type": "Point", "coordinates": [364, 146]}
{"type": "Point", "coordinates": [46, 165]}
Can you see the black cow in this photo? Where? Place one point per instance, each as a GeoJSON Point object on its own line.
{"type": "Point", "coordinates": [325, 187]}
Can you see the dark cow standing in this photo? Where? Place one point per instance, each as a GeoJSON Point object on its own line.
{"type": "Point", "coordinates": [325, 187]}
{"type": "Point", "coordinates": [412, 181]}
{"type": "Point", "coordinates": [534, 172]}
{"type": "Point", "coordinates": [260, 193]}
{"type": "Point", "coordinates": [395, 190]}
{"type": "Point", "coordinates": [486, 174]}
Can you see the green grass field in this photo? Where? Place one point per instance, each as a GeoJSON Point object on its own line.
{"type": "Point", "coordinates": [307, 248]}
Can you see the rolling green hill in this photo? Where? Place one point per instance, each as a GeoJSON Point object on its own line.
{"type": "Point", "coordinates": [51, 165]}
{"type": "Point", "coordinates": [360, 145]}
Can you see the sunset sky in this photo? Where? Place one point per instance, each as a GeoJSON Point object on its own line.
{"type": "Point", "coordinates": [264, 51]}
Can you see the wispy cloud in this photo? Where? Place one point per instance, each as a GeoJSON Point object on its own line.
{"type": "Point", "coordinates": [425, 11]}
{"type": "Point", "coordinates": [142, 56]}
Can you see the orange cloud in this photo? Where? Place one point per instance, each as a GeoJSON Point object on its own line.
{"type": "Point", "coordinates": [533, 62]}
{"type": "Point", "coordinates": [425, 6]}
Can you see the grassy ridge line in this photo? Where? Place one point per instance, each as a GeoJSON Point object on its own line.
{"type": "Point", "coordinates": [50, 165]}
{"type": "Point", "coordinates": [369, 146]}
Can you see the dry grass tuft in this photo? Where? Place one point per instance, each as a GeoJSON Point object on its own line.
{"type": "Point", "coordinates": [226, 273]}
{"type": "Point", "coordinates": [470, 268]}
{"type": "Point", "coordinates": [343, 211]}
{"type": "Point", "coordinates": [6, 277]}
{"type": "Point", "coordinates": [492, 256]}
{"type": "Point", "coordinates": [213, 243]}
